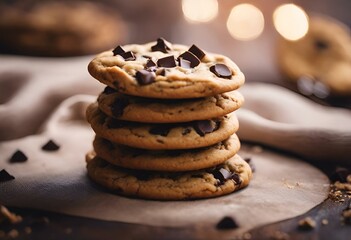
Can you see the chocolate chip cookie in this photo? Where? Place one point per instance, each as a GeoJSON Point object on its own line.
{"type": "Point", "coordinates": [152, 110]}
{"type": "Point", "coordinates": [168, 160]}
{"type": "Point", "coordinates": [164, 70]}
{"type": "Point", "coordinates": [187, 135]}
{"type": "Point", "coordinates": [228, 177]}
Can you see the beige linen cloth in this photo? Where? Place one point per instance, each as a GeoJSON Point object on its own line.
{"type": "Point", "coordinates": [43, 99]}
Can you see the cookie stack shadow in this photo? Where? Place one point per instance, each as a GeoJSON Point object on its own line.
{"type": "Point", "coordinates": [166, 149]}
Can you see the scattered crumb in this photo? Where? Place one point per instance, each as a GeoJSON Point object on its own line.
{"type": "Point", "coordinates": [5, 214]}
{"type": "Point", "coordinates": [278, 235]}
{"type": "Point", "coordinates": [343, 186]}
{"type": "Point", "coordinates": [28, 230]}
{"type": "Point", "coordinates": [307, 224]}
{"type": "Point", "coordinates": [257, 149]}
{"type": "Point", "coordinates": [68, 230]}
{"type": "Point", "coordinates": [13, 233]}
{"type": "Point", "coordinates": [325, 222]}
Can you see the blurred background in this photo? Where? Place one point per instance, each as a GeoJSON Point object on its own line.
{"type": "Point", "coordinates": [250, 32]}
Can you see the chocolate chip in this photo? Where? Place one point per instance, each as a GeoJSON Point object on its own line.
{"type": "Point", "coordinates": [221, 174]}
{"type": "Point", "coordinates": [118, 106]}
{"type": "Point", "coordinates": [5, 176]}
{"type": "Point", "coordinates": [50, 146]}
{"type": "Point", "coordinates": [162, 130]}
{"type": "Point", "coordinates": [146, 56]}
{"type": "Point", "coordinates": [109, 90]}
{"type": "Point", "coordinates": [186, 131]}
{"type": "Point", "coordinates": [227, 223]}
{"type": "Point", "coordinates": [145, 77]}
{"type": "Point", "coordinates": [18, 157]}
{"type": "Point", "coordinates": [221, 70]}
{"type": "Point", "coordinates": [321, 44]}
{"type": "Point", "coordinates": [340, 174]}
{"type": "Point", "coordinates": [128, 56]}
{"type": "Point", "coordinates": [184, 63]}
{"type": "Point", "coordinates": [167, 62]}
{"type": "Point", "coordinates": [194, 61]}
{"type": "Point", "coordinates": [204, 126]}
{"type": "Point", "coordinates": [162, 45]}
{"type": "Point", "coordinates": [118, 51]}
{"type": "Point", "coordinates": [161, 72]}
{"type": "Point", "coordinates": [196, 51]}
{"type": "Point", "coordinates": [150, 64]}
{"type": "Point", "coordinates": [236, 178]}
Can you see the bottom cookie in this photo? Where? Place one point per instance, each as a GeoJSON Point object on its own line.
{"type": "Point", "coordinates": [226, 178]}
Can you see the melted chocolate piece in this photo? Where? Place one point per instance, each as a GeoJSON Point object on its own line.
{"type": "Point", "coordinates": [109, 90]}
{"type": "Point", "coordinates": [204, 126]}
{"type": "Point", "coordinates": [196, 51]}
{"type": "Point", "coordinates": [194, 61]}
{"type": "Point", "coordinates": [128, 56]}
{"type": "Point", "coordinates": [227, 223]}
{"type": "Point", "coordinates": [184, 63]}
{"type": "Point", "coordinates": [118, 51]}
{"type": "Point", "coordinates": [221, 70]}
{"type": "Point", "coordinates": [162, 130]}
{"type": "Point", "coordinates": [50, 146]}
{"type": "Point", "coordinates": [162, 45]}
{"type": "Point", "coordinates": [321, 45]}
{"type": "Point", "coordinates": [118, 106]}
{"type": "Point", "coordinates": [5, 176]}
{"type": "Point", "coordinates": [167, 62]}
{"type": "Point", "coordinates": [145, 77]}
{"type": "Point", "coordinates": [18, 157]}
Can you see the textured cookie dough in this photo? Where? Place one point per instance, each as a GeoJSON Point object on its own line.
{"type": "Point", "coordinates": [177, 82]}
{"type": "Point", "coordinates": [228, 177]}
{"type": "Point", "coordinates": [150, 110]}
{"type": "Point", "coordinates": [170, 161]}
{"type": "Point", "coordinates": [161, 136]}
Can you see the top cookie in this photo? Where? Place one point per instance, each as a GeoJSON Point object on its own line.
{"type": "Point", "coordinates": [163, 70]}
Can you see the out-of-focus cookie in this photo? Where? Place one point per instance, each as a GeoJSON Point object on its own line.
{"type": "Point", "coordinates": [226, 178]}
{"type": "Point", "coordinates": [164, 70]}
{"type": "Point", "coordinates": [168, 160]}
{"type": "Point", "coordinates": [187, 135]}
{"type": "Point", "coordinates": [323, 56]}
{"type": "Point", "coordinates": [139, 109]}
{"type": "Point", "coordinates": [58, 28]}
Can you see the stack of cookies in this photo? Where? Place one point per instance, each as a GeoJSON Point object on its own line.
{"type": "Point", "coordinates": [164, 124]}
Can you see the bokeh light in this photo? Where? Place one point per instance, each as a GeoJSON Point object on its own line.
{"type": "Point", "coordinates": [196, 11]}
{"type": "Point", "coordinates": [245, 22]}
{"type": "Point", "coordinates": [290, 21]}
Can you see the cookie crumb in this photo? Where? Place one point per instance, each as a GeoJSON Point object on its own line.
{"type": "Point", "coordinates": [278, 235]}
{"type": "Point", "coordinates": [307, 224]}
{"type": "Point", "coordinates": [257, 149]}
{"type": "Point", "coordinates": [325, 222]}
{"type": "Point", "coordinates": [7, 215]}
{"type": "Point", "coordinates": [227, 223]}
{"type": "Point", "coordinates": [28, 230]}
{"type": "Point", "coordinates": [13, 233]}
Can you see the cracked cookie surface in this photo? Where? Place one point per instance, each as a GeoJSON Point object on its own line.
{"type": "Point", "coordinates": [187, 135]}
{"type": "Point", "coordinates": [226, 178]}
{"type": "Point", "coordinates": [139, 109]}
{"type": "Point", "coordinates": [170, 160]}
{"type": "Point", "coordinates": [170, 79]}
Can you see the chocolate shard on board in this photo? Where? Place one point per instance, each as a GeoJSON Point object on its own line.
{"type": "Point", "coordinates": [227, 223]}
{"type": "Point", "coordinates": [167, 62]}
{"type": "Point", "coordinates": [118, 106]}
{"type": "Point", "coordinates": [204, 126]}
{"type": "Point", "coordinates": [161, 45]}
{"type": "Point", "coordinates": [18, 157]}
{"type": "Point", "coordinates": [145, 77]}
{"type": "Point", "coordinates": [196, 51]}
{"type": "Point", "coordinates": [221, 70]}
{"type": "Point", "coordinates": [118, 51]}
{"type": "Point", "coordinates": [184, 63]}
{"type": "Point", "coordinates": [5, 176]}
{"type": "Point", "coordinates": [194, 61]}
{"type": "Point", "coordinates": [109, 90]}
{"type": "Point", "coordinates": [128, 56]}
{"type": "Point", "coordinates": [160, 130]}
{"type": "Point", "coordinates": [50, 146]}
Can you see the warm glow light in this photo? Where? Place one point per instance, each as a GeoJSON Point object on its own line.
{"type": "Point", "coordinates": [199, 11]}
{"type": "Point", "coordinates": [290, 21]}
{"type": "Point", "coordinates": [245, 22]}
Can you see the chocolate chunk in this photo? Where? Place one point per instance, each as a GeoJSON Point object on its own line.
{"type": "Point", "coordinates": [221, 70]}
{"type": "Point", "coordinates": [340, 174]}
{"type": "Point", "coordinates": [5, 176]}
{"type": "Point", "coordinates": [150, 64]}
{"type": "Point", "coordinates": [18, 157]}
{"type": "Point", "coordinates": [184, 63]}
{"type": "Point", "coordinates": [197, 52]}
{"type": "Point", "coordinates": [162, 130]}
{"type": "Point", "coordinates": [109, 90]}
{"type": "Point", "coordinates": [128, 56]}
{"type": "Point", "coordinates": [321, 45]}
{"type": "Point", "coordinates": [167, 62]}
{"type": "Point", "coordinates": [236, 178]}
{"type": "Point", "coordinates": [204, 126]}
{"type": "Point", "coordinates": [118, 106]}
{"type": "Point", "coordinates": [146, 56]}
{"type": "Point", "coordinates": [194, 61]}
{"type": "Point", "coordinates": [162, 45]}
{"type": "Point", "coordinates": [145, 77]}
{"type": "Point", "coordinates": [50, 146]}
{"type": "Point", "coordinates": [221, 174]}
{"type": "Point", "coordinates": [227, 223]}
{"type": "Point", "coordinates": [161, 72]}
{"type": "Point", "coordinates": [118, 51]}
